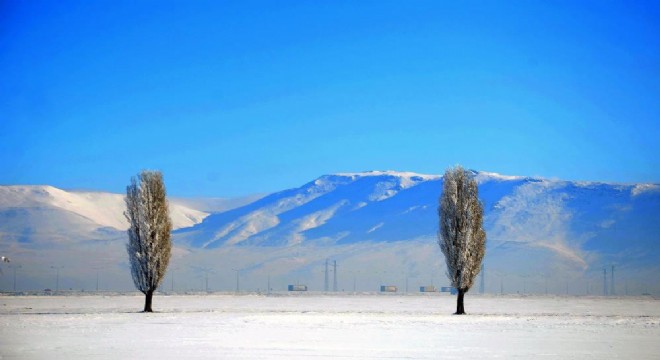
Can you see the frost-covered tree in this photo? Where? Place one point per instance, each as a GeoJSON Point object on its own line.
{"type": "Point", "coordinates": [461, 237]}
{"type": "Point", "coordinates": [149, 239]}
{"type": "Point", "coordinates": [3, 259]}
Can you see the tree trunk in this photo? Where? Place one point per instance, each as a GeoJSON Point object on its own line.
{"type": "Point", "coordinates": [147, 301]}
{"type": "Point", "coordinates": [460, 310]}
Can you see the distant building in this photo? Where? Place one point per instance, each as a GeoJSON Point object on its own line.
{"type": "Point", "coordinates": [387, 288]}
{"type": "Point", "coordinates": [297, 287]}
{"type": "Point", "coordinates": [427, 289]}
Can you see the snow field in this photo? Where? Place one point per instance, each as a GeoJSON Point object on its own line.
{"type": "Point", "coordinates": [318, 326]}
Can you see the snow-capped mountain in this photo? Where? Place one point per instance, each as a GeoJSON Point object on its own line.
{"type": "Point", "coordinates": [574, 220]}
{"type": "Point", "coordinates": [374, 223]}
{"type": "Point", "coordinates": [101, 209]}
{"type": "Point", "coordinates": [340, 208]}
{"type": "Point", "coordinates": [386, 222]}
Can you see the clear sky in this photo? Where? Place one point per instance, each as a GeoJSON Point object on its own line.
{"type": "Point", "coordinates": [232, 98]}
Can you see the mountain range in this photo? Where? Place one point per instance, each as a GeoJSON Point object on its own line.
{"type": "Point", "coordinates": [375, 223]}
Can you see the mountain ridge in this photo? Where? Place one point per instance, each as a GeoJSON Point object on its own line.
{"type": "Point", "coordinates": [374, 222]}
{"type": "Point", "coordinates": [102, 208]}
{"type": "Point", "coordinates": [322, 210]}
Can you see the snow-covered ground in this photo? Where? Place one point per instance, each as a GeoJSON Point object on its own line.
{"type": "Point", "coordinates": [318, 326]}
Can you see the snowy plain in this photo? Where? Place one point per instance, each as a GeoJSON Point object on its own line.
{"type": "Point", "coordinates": [362, 326]}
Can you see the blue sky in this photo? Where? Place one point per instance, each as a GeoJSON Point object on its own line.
{"type": "Point", "coordinates": [233, 98]}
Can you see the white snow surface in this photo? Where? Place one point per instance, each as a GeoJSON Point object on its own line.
{"type": "Point", "coordinates": [326, 327]}
{"type": "Point", "coordinates": [644, 188]}
{"type": "Point", "coordinates": [401, 174]}
{"type": "Point", "coordinates": [394, 181]}
{"type": "Point", "coordinates": [314, 220]}
{"type": "Point", "coordinates": [483, 176]}
{"type": "Point", "coordinates": [103, 209]}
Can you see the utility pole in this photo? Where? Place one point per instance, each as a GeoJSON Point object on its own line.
{"type": "Point", "coordinates": [605, 281]}
{"type": "Point", "coordinates": [268, 291]}
{"type": "Point", "coordinates": [237, 287]}
{"type": "Point", "coordinates": [97, 281]}
{"type": "Point", "coordinates": [354, 283]}
{"type": "Point", "coordinates": [326, 284]}
{"type": "Point", "coordinates": [612, 291]}
{"type": "Point", "coordinates": [57, 277]}
{"type": "Point", "coordinates": [334, 282]}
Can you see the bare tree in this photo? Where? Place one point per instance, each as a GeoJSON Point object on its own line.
{"type": "Point", "coordinates": [462, 238]}
{"type": "Point", "coordinates": [149, 239]}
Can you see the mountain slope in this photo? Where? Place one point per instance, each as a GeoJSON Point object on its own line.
{"type": "Point", "coordinates": [576, 221]}
{"type": "Point", "coordinates": [46, 213]}
{"type": "Point", "coordinates": [285, 217]}
{"type": "Point", "coordinates": [342, 208]}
